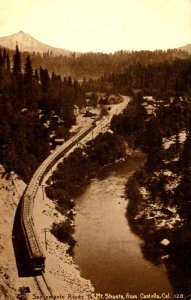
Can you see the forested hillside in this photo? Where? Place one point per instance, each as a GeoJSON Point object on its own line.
{"type": "Point", "coordinates": [164, 79]}
{"type": "Point", "coordinates": [95, 65]}
{"type": "Point", "coordinates": [33, 104]}
{"type": "Point", "coordinates": [35, 101]}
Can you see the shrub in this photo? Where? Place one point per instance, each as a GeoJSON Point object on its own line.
{"type": "Point", "coordinates": [63, 232]}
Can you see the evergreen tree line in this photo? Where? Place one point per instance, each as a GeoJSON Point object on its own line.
{"type": "Point", "coordinates": [28, 99]}
{"type": "Point", "coordinates": [95, 65]}
{"type": "Point", "coordinates": [164, 79]}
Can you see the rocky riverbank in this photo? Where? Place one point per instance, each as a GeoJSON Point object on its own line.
{"type": "Point", "coordinates": [61, 272]}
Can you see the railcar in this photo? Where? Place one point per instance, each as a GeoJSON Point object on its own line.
{"type": "Point", "coordinates": [36, 258]}
{"type": "Point", "coordinates": [35, 253]}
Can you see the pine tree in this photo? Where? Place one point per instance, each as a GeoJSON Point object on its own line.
{"type": "Point", "coordinates": [45, 79]}
{"type": "Point", "coordinates": [8, 64]}
{"type": "Point", "coordinates": [1, 70]}
{"type": "Point", "coordinates": [36, 75]}
{"type": "Point", "coordinates": [17, 63]}
{"type": "Point", "coordinates": [69, 81]}
{"type": "Point", "coordinates": [18, 80]}
{"type": "Point", "coordinates": [4, 55]}
{"type": "Point", "coordinates": [28, 70]}
{"type": "Point", "coordinates": [1, 61]}
{"type": "Point", "coordinates": [29, 87]}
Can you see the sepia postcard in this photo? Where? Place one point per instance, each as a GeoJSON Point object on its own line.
{"type": "Point", "coordinates": [95, 149]}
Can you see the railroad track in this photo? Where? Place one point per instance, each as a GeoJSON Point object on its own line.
{"type": "Point", "coordinates": [43, 287]}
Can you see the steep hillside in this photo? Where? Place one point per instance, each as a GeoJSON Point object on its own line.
{"type": "Point", "coordinates": [10, 191]}
{"type": "Point", "coordinates": [27, 43]}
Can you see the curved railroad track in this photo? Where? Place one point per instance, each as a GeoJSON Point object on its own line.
{"type": "Point", "coordinates": [42, 286]}
{"type": "Point", "coordinates": [36, 257]}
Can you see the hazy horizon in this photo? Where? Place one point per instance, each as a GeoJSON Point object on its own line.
{"type": "Point", "coordinates": [84, 26]}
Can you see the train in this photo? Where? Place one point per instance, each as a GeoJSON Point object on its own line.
{"type": "Point", "coordinates": [36, 257]}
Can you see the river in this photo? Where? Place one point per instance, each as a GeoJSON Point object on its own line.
{"type": "Point", "coordinates": [107, 252]}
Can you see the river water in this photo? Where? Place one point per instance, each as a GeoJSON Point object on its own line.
{"type": "Point", "coordinates": [107, 252]}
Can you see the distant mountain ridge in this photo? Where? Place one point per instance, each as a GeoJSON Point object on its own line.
{"type": "Point", "coordinates": [79, 65]}
{"type": "Point", "coordinates": [27, 43]}
{"type": "Point", "coordinates": [186, 48]}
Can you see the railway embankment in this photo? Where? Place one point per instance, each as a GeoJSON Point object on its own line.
{"type": "Point", "coordinates": [11, 189]}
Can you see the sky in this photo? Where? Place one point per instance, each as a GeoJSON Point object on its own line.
{"type": "Point", "coordinates": [100, 25]}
